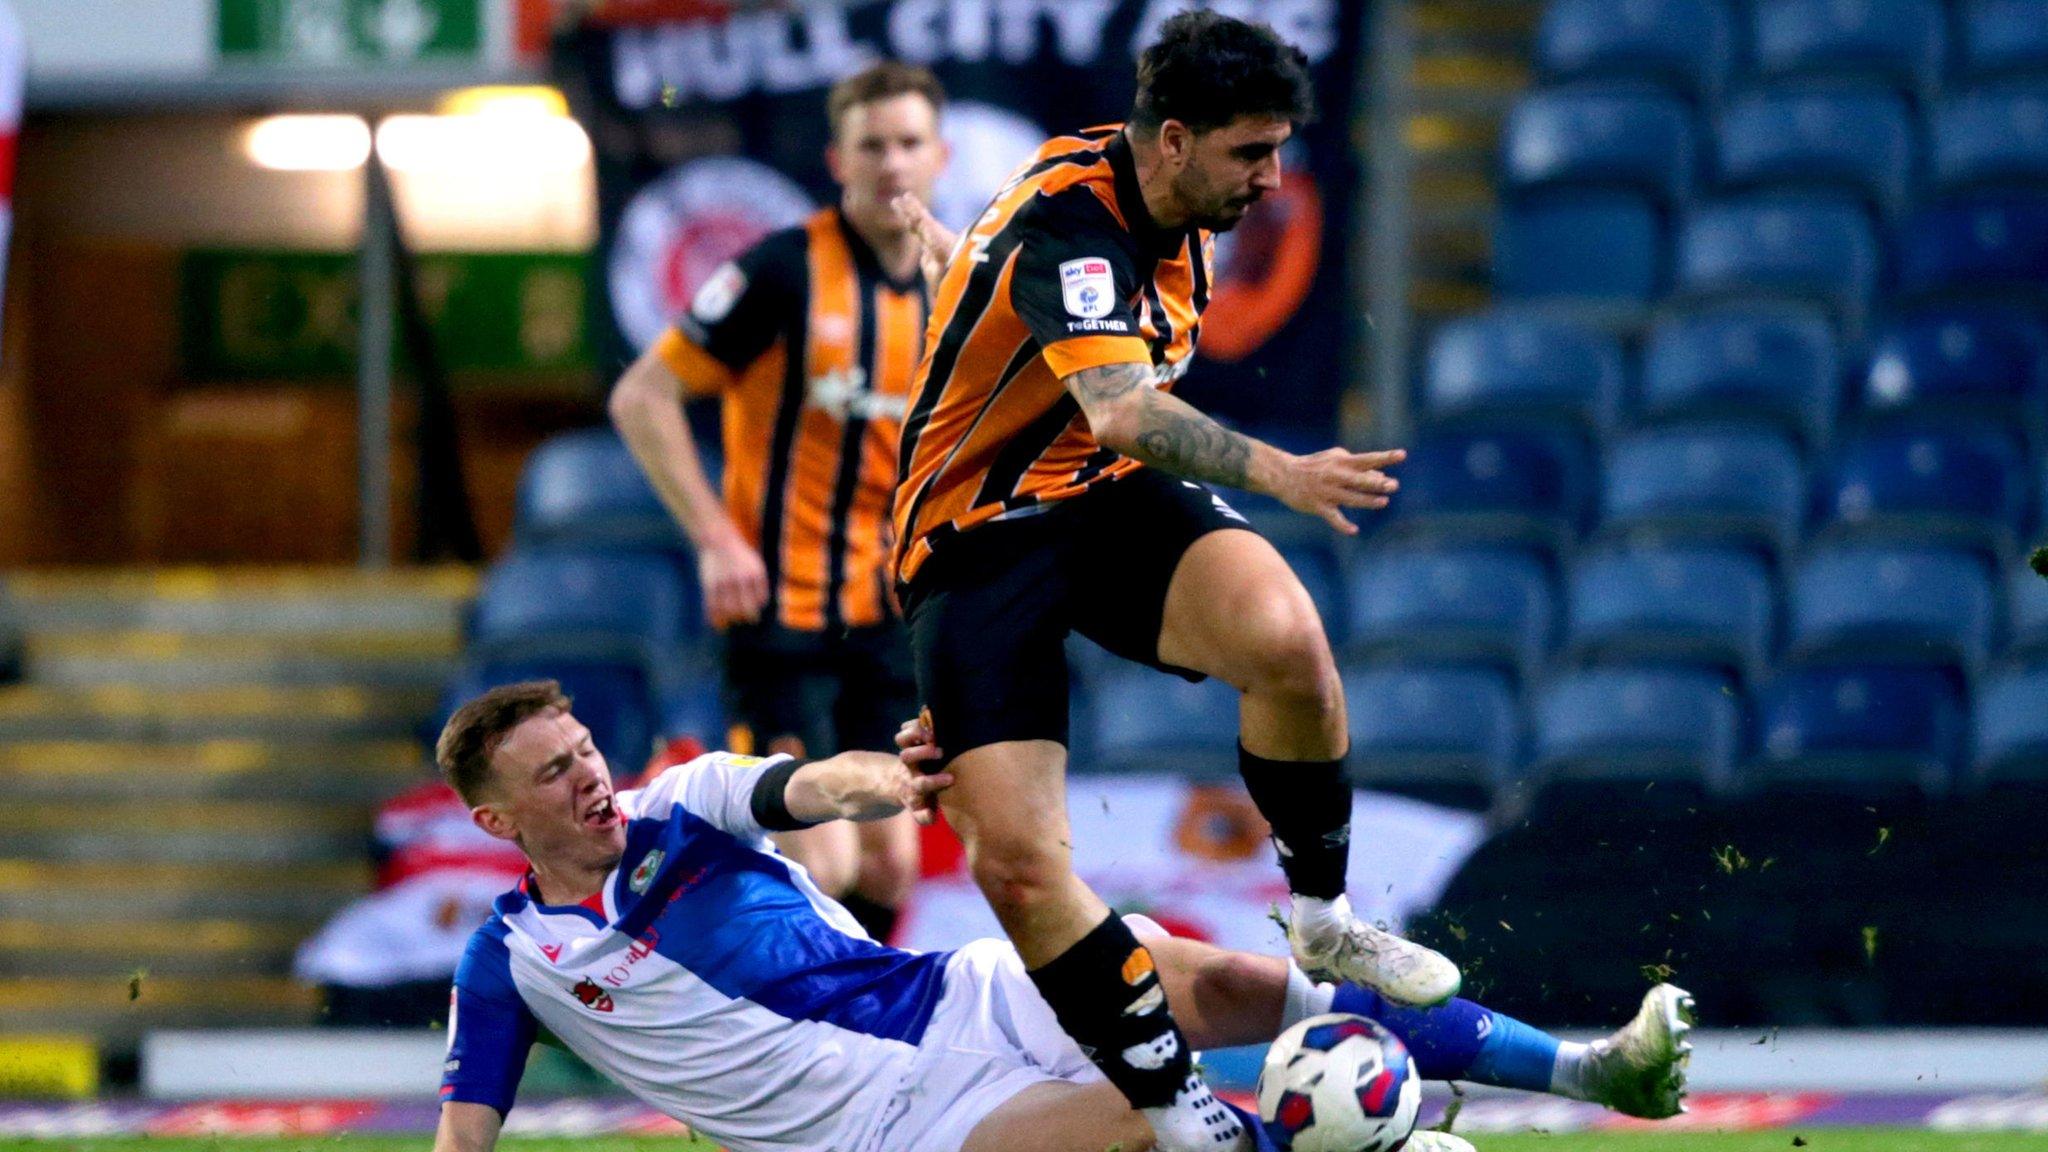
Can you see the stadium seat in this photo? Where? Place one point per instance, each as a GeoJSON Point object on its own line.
{"type": "Point", "coordinates": [2004, 37]}
{"type": "Point", "coordinates": [1750, 364]}
{"type": "Point", "coordinates": [583, 489]}
{"type": "Point", "coordinates": [1677, 727]}
{"type": "Point", "coordinates": [1864, 731]}
{"type": "Point", "coordinates": [1711, 483]}
{"type": "Point", "coordinates": [1989, 244]}
{"type": "Point", "coordinates": [1490, 604]}
{"type": "Point", "coordinates": [1520, 484]}
{"type": "Point", "coordinates": [1695, 605]}
{"type": "Point", "coordinates": [695, 706]}
{"type": "Point", "coordinates": [1990, 138]}
{"type": "Point", "coordinates": [1150, 721]}
{"type": "Point", "coordinates": [1902, 43]}
{"type": "Point", "coordinates": [615, 701]}
{"type": "Point", "coordinates": [1811, 249]}
{"type": "Point", "coordinates": [1629, 139]}
{"type": "Point", "coordinates": [1502, 363]}
{"type": "Point", "coordinates": [2026, 606]}
{"type": "Point", "coordinates": [2011, 728]}
{"type": "Point", "coordinates": [1857, 142]}
{"type": "Point", "coordinates": [1972, 360]}
{"type": "Point", "coordinates": [1683, 44]}
{"type": "Point", "coordinates": [1448, 735]}
{"type": "Point", "coordinates": [1951, 483]}
{"type": "Point", "coordinates": [1896, 604]}
{"type": "Point", "coordinates": [1600, 247]}
{"type": "Point", "coordinates": [622, 607]}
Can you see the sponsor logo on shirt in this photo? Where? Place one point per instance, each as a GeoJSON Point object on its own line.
{"type": "Point", "coordinates": [644, 874]}
{"type": "Point", "coordinates": [591, 996]}
{"type": "Point", "coordinates": [844, 393]}
{"type": "Point", "coordinates": [1087, 287]}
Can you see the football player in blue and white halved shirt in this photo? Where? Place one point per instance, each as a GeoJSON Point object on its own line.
{"type": "Point", "coordinates": [660, 937]}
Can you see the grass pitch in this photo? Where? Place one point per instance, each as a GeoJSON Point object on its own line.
{"type": "Point", "coordinates": [1816, 1140]}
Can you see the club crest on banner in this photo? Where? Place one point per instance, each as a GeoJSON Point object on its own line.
{"type": "Point", "coordinates": [678, 232]}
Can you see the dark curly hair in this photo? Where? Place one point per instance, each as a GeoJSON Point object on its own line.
{"type": "Point", "coordinates": [1207, 70]}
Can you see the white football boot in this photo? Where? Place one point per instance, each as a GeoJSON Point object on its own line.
{"type": "Point", "coordinates": [1431, 1140]}
{"type": "Point", "coordinates": [1640, 1070]}
{"type": "Point", "coordinates": [1360, 953]}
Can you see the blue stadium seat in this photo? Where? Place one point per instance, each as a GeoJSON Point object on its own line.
{"type": "Point", "coordinates": [1449, 735]}
{"type": "Point", "coordinates": [695, 706]}
{"type": "Point", "coordinates": [1778, 365]}
{"type": "Point", "coordinates": [2004, 37]}
{"type": "Point", "coordinates": [1726, 484]}
{"type": "Point", "coordinates": [1861, 731]}
{"type": "Point", "coordinates": [1853, 141]}
{"type": "Point", "coordinates": [1677, 727]}
{"type": "Point", "coordinates": [1491, 604]}
{"type": "Point", "coordinates": [583, 489]}
{"type": "Point", "coordinates": [2026, 606]}
{"type": "Point", "coordinates": [1990, 138]}
{"type": "Point", "coordinates": [624, 607]}
{"type": "Point", "coordinates": [1979, 244]}
{"type": "Point", "coordinates": [1812, 249]}
{"type": "Point", "coordinates": [1701, 606]}
{"type": "Point", "coordinates": [615, 701]}
{"type": "Point", "coordinates": [1896, 604]}
{"type": "Point", "coordinates": [2011, 729]}
{"type": "Point", "coordinates": [1505, 362]}
{"type": "Point", "coordinates": [1606, 247]}
{"type": "Point", "coordinates": [1974, 360]}
{"type": "Point", "coordinates": [1522, 484]}
{"type": "Point", "coordinates": [1315, 563]}
{"type": "Point", "coordinates": [1149, 721]}
{"type": "Point", "coordinates": [1684, 44]}
{"type": "Point", "coordinates": [1900, 42]}
{"type": "Point", "coordinates": [1953, 483]}
{"type": "Point", "coordinates": [1631, 139]}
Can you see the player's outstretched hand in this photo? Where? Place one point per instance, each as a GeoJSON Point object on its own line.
{"type": "Point", "coordinates": [934, 240]}
{"type": "Point", "coordinates": [735, 582]}
{"type": "Point", "coordinates": [1327, 482]}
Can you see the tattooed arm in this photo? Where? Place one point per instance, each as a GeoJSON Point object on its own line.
{"type": "Point", "coordinates": [1130, 416]}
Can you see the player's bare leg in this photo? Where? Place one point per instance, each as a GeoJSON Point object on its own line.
{"type": "Point", "coordinates": [886, 871]}
{"type": "Point", "coordinates": [1236, 611]}
{"type": "Point", "coordinates": [829, 852]}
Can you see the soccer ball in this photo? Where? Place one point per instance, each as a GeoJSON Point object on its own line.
{"type": "Point", "coordinates": [1339, 1083]}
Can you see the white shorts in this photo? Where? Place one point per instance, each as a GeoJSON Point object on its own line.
{"type": "Point", "coordinates": [991, 1037]}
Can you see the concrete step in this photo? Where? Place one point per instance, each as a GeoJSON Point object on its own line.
{"type": "Point", "coordinates": [114, 712]}
{"type": "Point", "coordinates": [147, 833]}
{"type": "Point", "coordinates": [161, 889]}
{"type": "Point", "coordinates": [119, 1008]}
{"type": "Point", "coordinates": [244, 601]}
{"type": "Point", "coordinates": [186, 660]}
{"type": "Point", "coordinates": [353, 772]}
{"type": "Point", "coordinates": [44, 947]}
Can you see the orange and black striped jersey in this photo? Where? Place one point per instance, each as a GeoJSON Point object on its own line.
{"type": "Point", "coordinates": [811, 347]}
{"type": "Point", "coordinates": [1065, 271]}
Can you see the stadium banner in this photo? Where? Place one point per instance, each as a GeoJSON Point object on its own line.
{"type": "Point", "coordinates": [710, 132]}
{"type": "Point", "coordinates": [1197, 859]}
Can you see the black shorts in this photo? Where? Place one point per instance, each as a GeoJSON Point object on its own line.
{"type": "Point", "coordinates": [835, 691]}
{"type": "Point", "coordinates": [989, 615]}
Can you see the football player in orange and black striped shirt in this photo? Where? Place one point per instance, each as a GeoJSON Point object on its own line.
{"type": "Point", "coordinates": [809, 340]}
{"type": "Point", "coordinates": [1051, 483]}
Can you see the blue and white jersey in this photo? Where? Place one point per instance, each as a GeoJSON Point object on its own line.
{"type": "Point", "coordinates": [709, 977]}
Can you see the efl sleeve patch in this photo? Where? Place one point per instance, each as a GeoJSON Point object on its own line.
{"type": "Point", "coordinates": [1087, 287]}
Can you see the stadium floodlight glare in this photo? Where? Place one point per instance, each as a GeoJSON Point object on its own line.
{"type": "Point", "coordinates": [505, 100]}
{"type": "Point", "coordinates": [477, 144]}
{"type": "Point", "coordinates": [308, 143]}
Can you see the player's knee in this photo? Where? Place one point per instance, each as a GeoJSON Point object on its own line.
{"type": "Point", "coordinates": [888, 873]}
{"type": "Point", "coordinates": [1231, 978]}
{"type": "Point", "coordinates": [1018, 876]}
{"type": "Point", "coordinates": [1288, 653]}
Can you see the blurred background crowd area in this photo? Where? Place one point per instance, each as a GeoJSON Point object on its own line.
{"type": "Point", "coordinates": [1717, 331]}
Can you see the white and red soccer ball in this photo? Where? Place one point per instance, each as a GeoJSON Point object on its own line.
{"type": "Point", "coordinates": [1339, 1083]}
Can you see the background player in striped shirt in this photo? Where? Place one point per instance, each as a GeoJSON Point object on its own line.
{"type": "Point", "coordinates": [1050, 483]}
{"type": "Point", "coordinates": [660, 937]}
{"type": "Point", "coordinates": [810, 340]}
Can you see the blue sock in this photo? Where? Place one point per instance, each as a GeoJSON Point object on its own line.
{"type": "Point", "coordinates": [1461, 1040]}
{"type": "Point", "coordinates": [1261, 1139]}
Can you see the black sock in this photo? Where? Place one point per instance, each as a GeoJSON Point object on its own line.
{"type": "Point", "coordinates": [1106, 993]}
{"type": "Point", "coordinates": [878, 919]}
{"type": "Point", "coordinates": [1308, 803]}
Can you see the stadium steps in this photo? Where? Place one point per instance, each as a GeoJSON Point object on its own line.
{"type": "Point", "coordinates": [190, 767]}
{"type": "Point", "coordinates": [1471, 61]}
